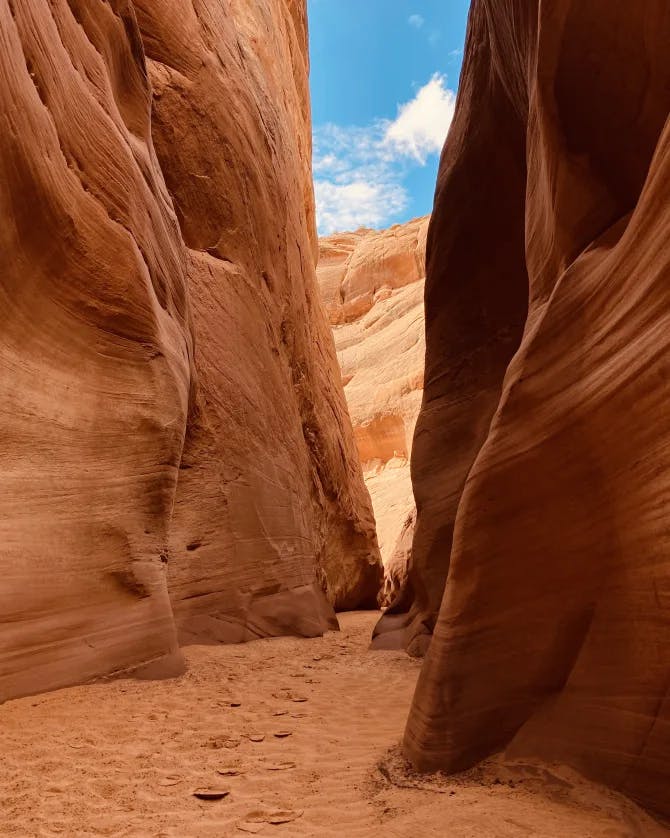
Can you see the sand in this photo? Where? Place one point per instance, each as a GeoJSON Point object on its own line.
{"type": "Point", "coordinates": [123, 758]}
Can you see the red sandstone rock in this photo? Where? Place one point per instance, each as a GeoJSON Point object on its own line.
{"type": "Point", "coordinates": [273, 484]}
{"type": "Point", "coordinates": [372, 286]}
{"type": "Point", "coordinates": [99, 370]}
{"type": "Point", "coordinates": [553, 637]}
{"type": "Point", "coordinates": [95, 350]}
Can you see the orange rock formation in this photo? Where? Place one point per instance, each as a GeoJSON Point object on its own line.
{"type": "Point", "coordinates": [273, 484]}
{"type": "Point", "coordinates": [372, 286]}
{"type": "Point", "coordinates": [113, 257]}
{"type": "Point", "coordinates": [551, 474]}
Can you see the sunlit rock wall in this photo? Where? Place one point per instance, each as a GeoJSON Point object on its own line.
{"type": "Point", "coordinates": [372, 286]}
{"type": "Point", "coordinates": [273, 486]}
{"type": "Point", "coordinates": [171, 412]}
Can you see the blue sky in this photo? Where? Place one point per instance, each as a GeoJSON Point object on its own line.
{"type": "Point", "coordinates": [383, 78]}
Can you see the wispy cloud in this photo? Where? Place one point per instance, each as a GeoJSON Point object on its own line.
{"type": "Point", "coordinates": [422, 124]}
{"type": "Point", "coordinates": [356, 183]}
{"type": "Point", "coordinates": [433, 35]}
{"type": "Point", "coordinates": [348, 206]}
{"type": "Point", "coordinates": [359, 170]}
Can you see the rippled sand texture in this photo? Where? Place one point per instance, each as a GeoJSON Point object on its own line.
{"type": "Point", "coordinates": [123, 758]}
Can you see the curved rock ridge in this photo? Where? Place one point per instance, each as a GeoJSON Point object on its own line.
{"type": "Point", "coordinates": [113, 255]}
{"type": "Point", "coordinates": [372, 285]}
{"type": "Point", "coordinates": [273, 484]}
{"type": "Point", "coordinates": [541, 474]}
{"type": "Point", "coordinates": [95, 350]}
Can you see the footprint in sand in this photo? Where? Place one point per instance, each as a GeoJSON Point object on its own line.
{"type": "Point", "coordinates": [286, 694]}
{"type": "Point", "coordinates": [255, 821]}
{"type": "Point", "coordinates": [229, 772]}
{"type": "Point", "coordinates": [280, 766]}
{"type": "Point", "coordinates": [223, 742]}
{"type": "Point", "coordinates": [211, 793]}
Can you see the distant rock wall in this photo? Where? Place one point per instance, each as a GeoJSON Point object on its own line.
{"type": "Point", "coordinates": [162, 344]}
{"type": "Point", "coordinates": [372, 286]}
{"type": "Point", "coordinates": [542, 453]}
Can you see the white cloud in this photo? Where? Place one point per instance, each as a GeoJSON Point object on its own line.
{"type": "Point", "coordinates": [416, 21]}
{"type": "Point", "coordinates": [348, 206]}
{"type": "Point", "coordinates": [422, 124]}
{"type": "Point", "coordinates": [359, 170]}
{"type": "Point", "coordinates": [356, 183]}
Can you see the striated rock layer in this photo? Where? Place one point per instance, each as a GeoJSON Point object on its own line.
{"type": "Point", "coordinates": [95, 350]}
{"type": "Point", "coordinates": [105, 280]}
{"type": "Point", "coordinates": [553, 636]}
{"type": "Point", "coordinates": [372, 286]}
{"type": "Point", "coordinates": [272, 484]}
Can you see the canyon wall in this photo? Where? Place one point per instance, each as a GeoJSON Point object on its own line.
{"type": "Point", "coordinates": [542, 452]}
{"type": "Point", "coordinates": [95, 346]}
{"type": "Point", "coordinates": [162, 342]}
{"type": "Point", "coordinates": [372, 285]}
{"type": "Point", "coordinates": [272, 485]}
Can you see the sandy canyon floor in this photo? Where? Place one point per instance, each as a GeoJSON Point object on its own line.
{"type": "Point", "coordinates": [300, 732]}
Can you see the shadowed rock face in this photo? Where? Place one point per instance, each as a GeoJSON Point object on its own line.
{"type": "Point", "coordinates": [162, 343]}
{"type": "Point", "coordinates": [542, 481]}
{"type": "Point", "coordinates": [371, 283]}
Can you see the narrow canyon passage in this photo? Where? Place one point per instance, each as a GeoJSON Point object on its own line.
{"type": "Point", "coordinates": [249, 388]}
{"type": "Point", "coordinates": [69, 769]}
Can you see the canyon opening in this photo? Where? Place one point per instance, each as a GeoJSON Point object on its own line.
{"type": "Point", "coordinates": [335, 436]}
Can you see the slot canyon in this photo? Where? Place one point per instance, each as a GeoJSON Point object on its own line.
{"type": "Point", "coordinates": [322, 532]}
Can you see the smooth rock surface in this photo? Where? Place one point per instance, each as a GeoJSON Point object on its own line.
{"type": "Point", "coordinates": [372, 286]}
{"type": "Point", "coordinates": [553, 637]}
{"type": "Point", "coordinates": [95, 350]}
{"type": "Point", "coordinates": [273, 484]}
{"type": "Point", "coordinates": [150, 307]}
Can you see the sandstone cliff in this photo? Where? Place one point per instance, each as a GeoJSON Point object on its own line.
{"type": "Point", "coordinates": [112, 259]}
{"type": "Point", "coordinates": [372, 287]}
{"type": "Point", "coordinates": [542, 479]}
{"type": "Point", "coordinates": [273, 484]}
